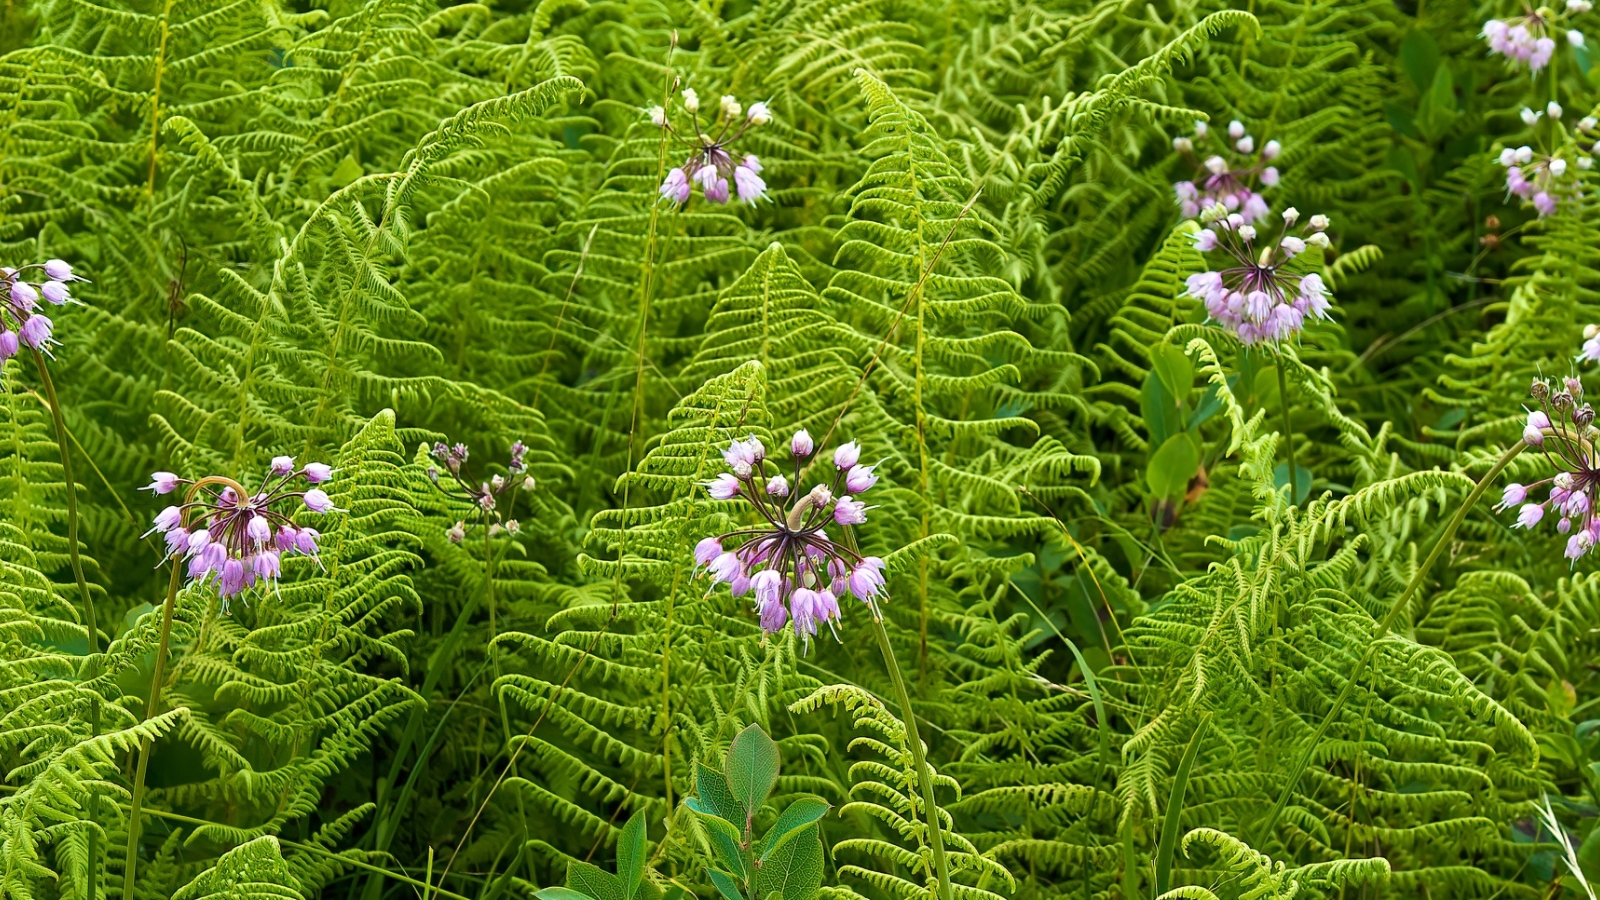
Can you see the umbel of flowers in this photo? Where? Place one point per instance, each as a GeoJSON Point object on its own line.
{"type": "Point", "coordinates": [1231, 171]}
{"type": "Point", "coordinates": [1530, 40]}
{"type": "Point", "coordinates": [21, 323]}
{"type": "Point", "coordinates": [486, 496]}
{"type": "Point", "coordinates": [1562, 428]}
{"type": "Point", "coordinates": [236, 536]}
{"type": "Point", "coordinates": [1254, 295]}
{"type": "Point", "coordinates": [713, 165]}
{"type": "Point", "coordinates": [795, 569]}
{"type": "Point", "coordinates": [1545, 179]}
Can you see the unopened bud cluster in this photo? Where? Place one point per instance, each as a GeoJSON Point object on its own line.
{"type": "Point", "coordinates": [487, 496]}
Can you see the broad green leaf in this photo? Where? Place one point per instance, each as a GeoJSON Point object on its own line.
{"type": "Point", "coordinates": [561, 893]}
{"type": "Point", "coordinates": [1420, 54]}
{"type": "Point", "coordinates": [726, 886]}
{"type": "Point", "coordinates": [1162, 416]}
{"type": "Point", "coordinates": [752, 769]}
{"type": "Point", "coordinates": [1175, 370]}
{"type": "Point", "coordinates": [1172, 466]}
{"type": "Point", "coordinates": [715, 795]}
{"type": "Point", "coordinates": [631, 854]}
{"type": "Point", "coordinates": [594, 881]}
{"type": "Point", "coordinates": [796, 817]}
{"type": "Point", "coordinates": [794, 869]}
{"type": "Point", "coordinates": [727, 842]}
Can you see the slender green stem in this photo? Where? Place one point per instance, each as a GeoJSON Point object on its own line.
{"type": "Point", "coordinates": [1288, 432]}
{"type": "Point", "coordinates": [930, 809]}
{"type": "Point", "coordinates": [91, 861]}
{"type": "Point", "coordinates": [1382, 629]}
{"type": "Point", "coordinates": [130, 861]}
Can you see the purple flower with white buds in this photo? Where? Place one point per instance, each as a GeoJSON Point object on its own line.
{"type": "Point", "coordinates": [1229, 176]}
{"type": "Point", "coordinates": [1522, 40]}
{"type": "Point", "coordinates": [1563, 430]}
{"type": "Point", "coordinates": [710, 164]}
{"type": "Point", "coordinates": [1260, 296]}
{"type": "Point", "coordinates": [794, 567]}
{"type": "Point", "coordinates": [231, 534]}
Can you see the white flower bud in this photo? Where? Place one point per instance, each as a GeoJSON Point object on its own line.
{"type": "Point", "coordinates": [691, 100]}
{"type": "Point", "coordinates": [1553, 109]}
{"type": "Point", "coordinates": [1246, 144]}
{"type": "Point", "coordinates": [1271, 150]}
{"type": "Point", "coordinates": [1585, 162]}
{"type": "Point", "coordinates": [1318, 239]}
{"type": "Point", "coordinates": [1558, 167]}
{"type": "Point", "coordinates": [1201, 129]}
{"type": "Point", "coordinates": [1579, 6]}
{"type": "Point", "coordinates": [1575, 38]}
{"type": "Point", "coordinates": [1183, 145]}
{"type": "Point", "coordinates": [1248, 232]}
{"type": "Point", "coordinates": [1290, 216]}
{"type": "Point", "coordinates": [1587, 123]}
{"type": "Point", "coordinates": [1524, 155]}
{"type": "Point", "coordinates": [1236, 129]}
{"type": "Point", "coordinates": [1529, 116]}
{"type": "Point", "coordinates": [1216, 165]}
{"type": "Point", "coordinates": [1508, 157]}
{"type": "Point", "coordinates": [731, 107]}
{"type": "Point", "coordinates": [1319, 222]}
{"type": "Point", "coordinates": [658, 116]}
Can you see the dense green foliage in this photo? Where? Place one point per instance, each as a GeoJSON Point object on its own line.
{"type": "Point", "coordinates": [346, 230]}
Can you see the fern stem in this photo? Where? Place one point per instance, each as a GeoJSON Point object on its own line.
{"type": "Point", "coordinates": [1288, 432]}
{"type": "Point", "coordinates": [930, 809]}
{"type": "Point", "coordinates": [1378, 634]}
{"type": "Point", "coordinates": [130, 861]}
{"type": "Point", "coordinates": [91, 866]}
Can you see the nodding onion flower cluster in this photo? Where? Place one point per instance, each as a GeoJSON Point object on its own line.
{"type": "Point", "coordinates": [1562, 428]}
{"type": "Point", "coordinates": [33, 328]}
{"type": "Point", "coordinates": [711, 163]}
{"type": "Point", "coordinates": [486, 496]}
{"type": "Point", "coordinates": [1527, 40]}
{"type": "Point", "coordinates": [1231, 176]}
{"type": "Point", "coordinates": [1545, 179]}
{"type": "Point", "coordinates": [795, 569]}
{"type": "Point", "coordinates": [1256, 298]}
{"type": "Point", "coordinates": [235, 536]}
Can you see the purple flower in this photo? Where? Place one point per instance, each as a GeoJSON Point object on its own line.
{"type": "Point", "coordinates": [232, 581]}
{"type": "Point", "coordinates": [266, 565]}
{"type": "Point", "coordinates": [167, 519]}
{"type": "Point", "coordinates": [8, 344]}
{"type": "Point", "coordinates": [707, 550]}
{"type": "Point", "coordinates": [1513, 495]}
{"type": "Point", "coordinates": [859, 479]}
{"type": "Point", "coordinates": [847, 455]}
{"type": "Point", "coordinates": [317, 473]}
{"type": "Point", "coordinates": [56, 292]}
{"type": "Point", "coordinates": [59, 270]}
{"type": "Point", "coordinates": [306, 541]}
{"type": "Point", "coordinates": [36, 331]}
{"type": "Point", "coordinates": [849, 512]}
{"type": "Point", "coordinates": [317, 500]}
{"type": "Point", "coordinates": [795, 568]}
{"type": "Point", "coordinates": [23, 296]}
{"type": "Point", "coordinates": [866, 579]}
{"type": "Point", "coordinates": [162, 483]}
{"type": "Point", "coordinates": [723, 487]}
{"type": "Point", "coordinates": [259, 529]}
{"type": "Point", "coordinates": [759, 114]}
{"type": "Point", "coordinates": [1256, 296]}
{"type": "Point", "coordinates": [199, 539]}
{"type": "Point", "coordinates": [1578, 545]}
{"type": "Point", "coordinates": [177, 539]}
{"type": "Point", "coordinates": [724, 567]}
{"type": "Point", "coordinates": [1229, 177]}
{"type": "Point", "coordinates": [751, 187]}
{"type": "Point", "coordinates": [282, 465]}
{"type": "Point", "coordinates": [1529, 515]}
{"type": "Point", "coordinates": [675, 186]}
